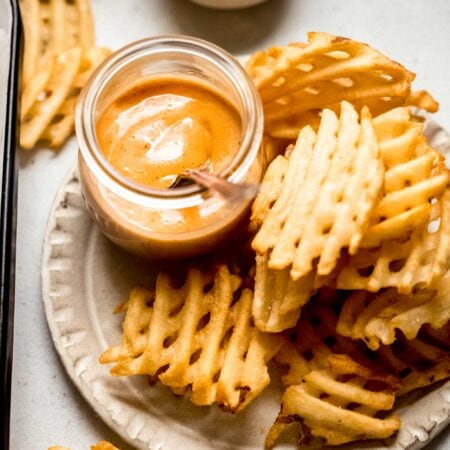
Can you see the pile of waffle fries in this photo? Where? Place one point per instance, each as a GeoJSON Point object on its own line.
{"type": "Point", "coordinates": [59, 56]}
{"type": "Point", "coordinates": [350, 289]}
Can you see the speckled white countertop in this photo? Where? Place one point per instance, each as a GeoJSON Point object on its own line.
{"type": "Point", "coordinates": [46, 408]}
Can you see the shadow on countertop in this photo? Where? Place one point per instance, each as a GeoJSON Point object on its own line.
{"type": "Point", "coordinates": [238, 31]}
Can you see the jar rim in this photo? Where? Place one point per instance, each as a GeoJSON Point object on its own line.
{"type": "Point", "coordinates": [86, 107]}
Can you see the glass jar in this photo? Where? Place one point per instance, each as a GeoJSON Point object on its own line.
{"type": "Point", "coordinates": [164, 223]}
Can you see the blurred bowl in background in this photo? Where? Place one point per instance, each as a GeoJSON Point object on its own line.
{"type": "Point", "coordinates": [228, 4]}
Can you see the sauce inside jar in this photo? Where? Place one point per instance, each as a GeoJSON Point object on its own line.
{"type": "Point", "coordinates": [159, 127]}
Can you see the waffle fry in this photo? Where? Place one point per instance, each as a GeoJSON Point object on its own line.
{"type": "Point", "coordinates": [422, 100]}
{"type": "Point", "coordinates": [62, 124]}
{"type": "Point", "coordinates": [103, 445]}
{"type": "Point", "coordinates": [58, 87]}
{"type": "Point", "coordinates": [297, 81]}
{"type": "Point", "coordinates": [31, 24]}
{"type": "Point", "coordinates": [278, 299]}
{"type": "Point", "coordinates": [419, 261]}
{"type": "Point", "coordinates": [274, 147]}
{"type": "Point", "coordinates": [269, 192]}
{"type": "Point", "coordinates": [37, 85]}
{"type": "Point", "coordinates": [418, 360]}
{"type": "Point", "coordinates": [421, 361]}
{"type": "Point", "coordinates": [52, 28]}
{"type": "Point", "coordinates": [375, 318]}
{"type": "Point", "coordinates": [322, 401]}
{"type": "Point", "coordinates": [415, 177]}
{"type": "Point", "coordinates": [329, 190]}
{"type": "Point", "coordinates": [313, 341]}
{"type": "Point", "coordinates": [340, 404]}
{"type": "Point", "coordinates": [58, 58]}
{"type": "Point", "coordinates": [197, 339]}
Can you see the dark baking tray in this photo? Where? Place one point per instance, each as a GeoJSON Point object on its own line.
{"type": "Point", "coordinates": [10, 21]}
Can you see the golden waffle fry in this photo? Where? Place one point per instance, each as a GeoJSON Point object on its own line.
{"type": "Point", "coordinates": [104, 445]}
{"type": "Point", "coordinates": [340, 403]}
{"type": "Point", "coordinates": [297, 81]}
{"type": "Point", "coordinates": [281, 203]}
{"type": "Point", "coordinates": [416, 362]}
{"type": "Point", "coordinates": [62, 124]}
{"type": "Point", "coordinates": [421, 361]}
{"type": "Point", "coordinates": [269, 191]}
{"type": "Point", "coordinates": [415, 177]}
{"type": "Point", "coordinates": [198, 339]}
{"type": "Point", "coordinates": [59, 41]}
{"type": "Point", "coordinates": [313, 340]}
{"type": "Point", "coordinates": [40, 115]}
{"type": "Point", "coordinates": [419, 261]}
{"type": "Point", "coordinates": [32, 50]}
{"type": "Point", "coordinates": [274, 147]}
{"type": "Point", "coordinates": [71, 25]}
{"type": "Point", "coordinates": [422, 100]}
{"type": "Point", "coordinates": [330, 187]}
{"type": "Point", "coordinates": [36, 86]}
{"type": "Point", "coordinates": [80, 24]}
{"type": "Point", "coordinates": [51, 28]}
{"type": "Point", "coordinates": [375, 318]}
{"type": "Point", "coordinates": [278, 299]}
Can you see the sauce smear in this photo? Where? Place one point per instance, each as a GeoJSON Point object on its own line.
{"type": "Point", "coordinates": [159, 127]}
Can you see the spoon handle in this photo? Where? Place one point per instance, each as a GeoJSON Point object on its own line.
{"type": "Point", "coordinates": [226, 189]}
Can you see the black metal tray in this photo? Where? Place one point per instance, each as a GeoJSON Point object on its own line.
{"type": "Point", "coordinates": [10, 22]}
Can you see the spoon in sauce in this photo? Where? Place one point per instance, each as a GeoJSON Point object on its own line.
{"type": "Point", "coordinates": [230, 191]}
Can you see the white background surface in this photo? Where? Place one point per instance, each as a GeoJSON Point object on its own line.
{"type": "Point", "coordinates": [46, 408]}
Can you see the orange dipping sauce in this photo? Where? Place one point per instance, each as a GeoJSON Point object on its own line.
{"type": "Point", "coordinates": [159, 127]}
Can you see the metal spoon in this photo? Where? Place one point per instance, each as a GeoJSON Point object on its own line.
{"type": "Point", "coordinates": [226, 189]}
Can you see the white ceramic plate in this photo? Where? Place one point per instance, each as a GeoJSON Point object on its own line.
{"type": "Point", "coordinates": [84, 276]}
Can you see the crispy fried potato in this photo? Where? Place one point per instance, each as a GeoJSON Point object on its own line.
{"type": "Point", "coordinates": [44, 109]}
{"type": "Point", "coordinates": [336, 387]}
{"type": "Point", "coordinates": [415, 177]}
{"type": "Point", "coordinates": [59, 43]}
{"type": "Point", "coordinates": [375, 318]}
{"type": "Point", "coordinates": [274, 147]}
{"type": "Point", "coordinates": [297, 81]}
{"type": "Point", "coordinates": [36, 86]}
{"type": "Point", "coordinates": [62, 124]}
{"type": "Point", "coordinates": [340, 404]}
{"type": "Point", "coordinates": [313, 341]}
{"type": "Point", "coordinates": [330, 187]}
{"type": "Point", "coordinates": [269, 192]}
{"type": "Point", "coordinates": [197, 339]}
{"type": "Point", "coordinates": [51, 28]}
{"type": "Point", "coordinates": [71, 25]}
{"type": "Point", "coordinates": [421, 361]}
{"type": "Point", "coordinates": [32, 50]}
{"type": "Point", "coordinates": [422, 100]}
{"type": "Point", "coordinates": [103, 445]}
{"type": "Point", "coordinates": [278, 299]}
{"type": "Point", "coordinates": [419, 261]}
{"type": "Point", "coordinates": [84, 30]}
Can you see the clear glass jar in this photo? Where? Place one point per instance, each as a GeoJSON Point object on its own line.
{"type": "Point", "coordinates": [162, 223]}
